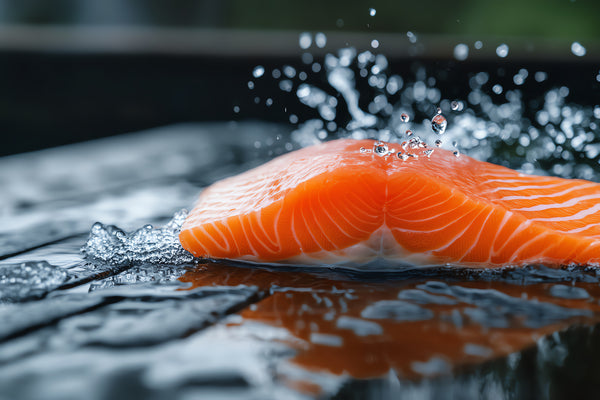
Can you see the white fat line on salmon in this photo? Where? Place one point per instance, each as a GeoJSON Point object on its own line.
{"type": "Point", "coordinates": [481, 230]}
{"type": "Point", "coordinates": [516, 188]}
{"type": "Point", "coordinates": [461, 233]}
{"type": "Point", "coordinates": [437, 216]}
{"type": "Point", "coordinates": [528, 243]}
{"type": "Point", "coordinates": [579, 215]}
{"type": "Point", "coordinates": [550, 195]}
{"type": "Point", "coordinates": [254, 252]}
{"type": "Point", "coordinates": [568, 203]}
{"type": "Point", "coordinates": [522, 226]}
{"type": "Point", "coordinates": [259, 219]}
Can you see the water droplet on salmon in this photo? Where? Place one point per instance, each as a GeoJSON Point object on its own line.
{"type": "Point", "coordinates": [428, 152]}
{"type": "Point", "coordinates": [438, 124]}
{"type": "Point", "coordinates": [404, 117]}
{"type": "Point", "coordinates": [380, 149]}
{"type": "Point", "coordinates": [456, 153]}
{"type": "Point", "coordinates": [363, 150]}
{"type": "Point", "coordinates": [258, 71]}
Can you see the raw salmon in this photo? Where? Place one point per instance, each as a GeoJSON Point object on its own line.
{"type": "Point", "coordinates": [348, 201]}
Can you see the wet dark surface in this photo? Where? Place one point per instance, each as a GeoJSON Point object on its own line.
{"type": "Point", "coordinates": [73, 329]}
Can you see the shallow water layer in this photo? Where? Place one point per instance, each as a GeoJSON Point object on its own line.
{"type": "Point", "coordinates": [134, 328]}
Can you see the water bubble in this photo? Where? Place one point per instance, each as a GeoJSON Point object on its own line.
{"type": "Point", "coordinates": [497, 89]}
{"type": "Point", "coordinates": [540, 76]}
{"type": "Point", "coordinates": [438, 142]}
{"type": "Point", "coordinates": [411, 37]}
{"type": "Point", "coordinates": [316, 67]}
{"type": "Point", "coordinates": [502, 50]}
{"type": "Point", "coordinates": [381, 149]}
{"type": "Point", "coordinates": [289, 71]}
{"type": "Point", "coordinates": [457, 105]}
{"type": "Point", "coordinates": [302, 75]}
{"type": "Point", "coordinates": [374, 43]}
{"type": "Point", "coordinates": [478, 45]}
{"type": "Point", "coordinates": [578, 49]}
{"type": "Point", "coordinates": [456, 153]}
{"type": "Point", "coordinates": [276, 73]}
{"type": "Point", "coordinates": [404, 117]}
{"type": "Point", "coordinates": [372, 12]}
{"type": "Point", "coordinates": [307, 58]}
{"type": "Point", "coordinates": [320, 40]}
{"type": "Point", "coordinates": [461, 52]}
{"type": "Point", "coordinates": [258, 71]}
{"type": "Point", "coordinates": [409, 132]}
{"type": "Point", "coordinates": [305, 40]}
{"type": "Point", "coordinates": [438, 124]}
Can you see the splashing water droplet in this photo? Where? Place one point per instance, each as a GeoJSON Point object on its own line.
{"type": "Point", "coordinates": [438, 142]}
{"type": "Point", "coordinates": [372, 12]}
{"type": "Point", "coordinates": [502, 50]}
{"type": "Point", "coordinates": [363, 150]}
{"type": "Point", "coordinates": [305, 40]}
{"type": "Point", "coordinates": [428, 153]}
{"type": "Point", "coordinates": [456, 153]}
{"type": "Point", "coordinates": [380, 149]}
{"type": "Point", "coordinates": [461, 52]}
{"type": "Point", "coordinates": [497, 89]}
{"type": "Point", "coordinates": [258, 71]}
{"type": "Point", "coordinates": [411, 37]}
{"type": "Point", "coordinates": [438, 124]}
{"type": "Point", "coordinates": [320, 40]}
{"type": "Point", "coordinates": [455, 105]}
{"type": "Point", "coordinates": [404, 117]}
{"type": "Point", "coordinates": [438, 110]}
{"type": "Point", "coordinates": [578, 49]}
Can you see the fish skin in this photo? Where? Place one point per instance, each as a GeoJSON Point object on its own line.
{"type": "Point", "coordinates": [332, 203]}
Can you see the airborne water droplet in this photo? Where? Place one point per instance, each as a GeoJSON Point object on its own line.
{"type": "Point", "coordinates": [372, 12]}
{"type": "Point", "coordinates": [438, 142]}
{"type": "Point", "coordinates": [438, 124]}
{"type": "Point", "coordinates": [455, 105]}
{"type": "Point", "coordinates": [404, 117]}
{"type": "Point", "coordinates": [502, 50]}
{"type": "Point", "coordinates": [409, 132]}
{"type": "Point", "coordinates": [578, 49]}
{"type": "Point", "coordinates": [258, 71]}
{"type": "Point", "coordinates": [438, 110]}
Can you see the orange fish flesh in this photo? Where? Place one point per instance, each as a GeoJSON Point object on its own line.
{"type": "Point", "coordinates": [341, 202]}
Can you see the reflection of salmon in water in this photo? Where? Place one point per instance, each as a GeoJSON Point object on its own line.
{"type": "Point", "coordinates": [335, 203]}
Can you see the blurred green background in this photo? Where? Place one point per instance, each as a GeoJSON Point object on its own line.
{"type": "Point", "coordinates": [566, 19]}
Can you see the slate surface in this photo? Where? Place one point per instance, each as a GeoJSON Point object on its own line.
{"type": "Point", "coordinates": [71, 329]}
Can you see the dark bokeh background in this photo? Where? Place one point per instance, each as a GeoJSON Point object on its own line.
{"type": "Point", "coordinates": [73, 70]}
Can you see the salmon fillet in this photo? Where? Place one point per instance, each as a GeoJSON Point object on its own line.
{"type": "Point", "coordinates": [342, 202]}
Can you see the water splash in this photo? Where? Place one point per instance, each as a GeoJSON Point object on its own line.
{"type": "Point", "coordinates": [109, 244]}
{"type": "Point", "coordinates": [29, 280]}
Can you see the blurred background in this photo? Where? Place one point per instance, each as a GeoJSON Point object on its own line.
{"type": "Point", "coordinates": [74, 70]}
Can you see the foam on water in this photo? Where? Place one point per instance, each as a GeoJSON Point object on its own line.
{"type": "Point", "coordinates": [111, 245]}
